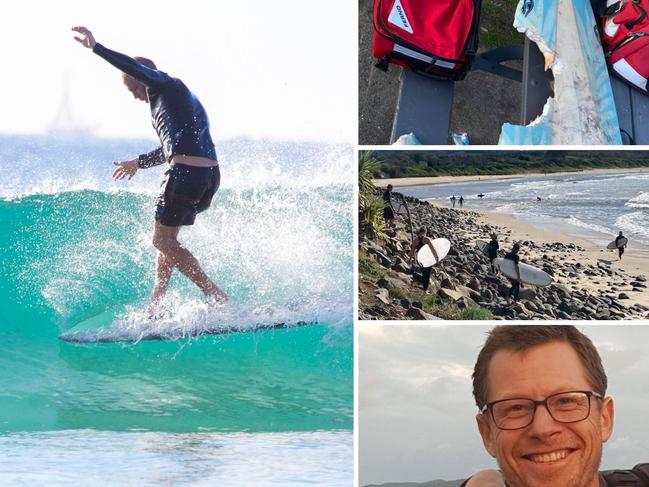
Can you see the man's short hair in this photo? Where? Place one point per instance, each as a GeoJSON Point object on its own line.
{"type": "Point", "coordinates": [519, 338]}
{"type": "Point", "coordinates": [142, 60]}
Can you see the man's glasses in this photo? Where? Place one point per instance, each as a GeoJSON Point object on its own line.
{"type": "Point", "coordinates": [565, 407]}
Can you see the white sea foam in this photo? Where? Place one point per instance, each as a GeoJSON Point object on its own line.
{"type": "Point", "coordinates": [42, 165]}
{"type": "Point", "coordinates": [635, 224]}
{"type": "Point", "coordinates": [591, 226]}
{"type": "Point", "coordinates": [639, 201]}
{"type": "Point", "coordinates": [88, 458]}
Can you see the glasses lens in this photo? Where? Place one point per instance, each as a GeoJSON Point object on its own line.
{"type": "Point", "coordinates": [513, 413]}
{"type": "Point", "coordinates": [569, 407]}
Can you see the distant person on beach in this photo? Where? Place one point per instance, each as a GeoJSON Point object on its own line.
{"type": "Point", "coordinates": [517, 284]}
{"type": "Point", "coordinates": [388, 211]}
{"type": "Point", "coordinates": [620, 248]}
{"type": "Point", "coordinates": [453, 200]}
{"type": "Point", "coordinates": [461, 201]}
{"type": "Point", "coordinates": [417, 244]}
{"type": "Point", "coordinates": [492, 251]}
{"type": "Point", "coordinates": [193, 175]}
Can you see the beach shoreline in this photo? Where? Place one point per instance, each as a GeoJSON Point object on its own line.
{"type": "Point", "coordinates": [635, 260]}
{"type": "Point", "coordinates": [431, 180]}
{"type": "Point", "coordinates": [593, 254]}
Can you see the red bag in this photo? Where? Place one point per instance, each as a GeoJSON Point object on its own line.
{"type": "Point", "coordinates": [436, 37]}
{"type": "Point", "coordinates": [625, 36]}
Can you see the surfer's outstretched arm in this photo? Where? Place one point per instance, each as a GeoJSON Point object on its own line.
{"type": "Point", "coordinates": [148, 76]}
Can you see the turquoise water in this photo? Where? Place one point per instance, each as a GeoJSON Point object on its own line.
{"type": "Point", "coordinates": [73, 243]}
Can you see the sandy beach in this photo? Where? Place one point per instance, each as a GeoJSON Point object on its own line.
{"type": "Point", "coordinates": [635, 261]}
{"type": "Point", "coordinates": [396, 182]}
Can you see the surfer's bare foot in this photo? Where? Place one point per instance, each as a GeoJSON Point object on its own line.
{"type": "Point", "coordinates": [154, 310]}
{"type": "Point", "coordinates": [216, 297]}
{"type": "Point", "coordinates": [154, 313]}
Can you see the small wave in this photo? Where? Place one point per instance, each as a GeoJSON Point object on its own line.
{"type": "Point", "coordinates": [590, 226]}
{"type": "Point", "coordinates": [640, 201]}
{"type": "Point", "coordinates": [635, 224]}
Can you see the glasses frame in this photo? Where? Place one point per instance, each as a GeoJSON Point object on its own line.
{"type": "Point", "coordinates": [489, 407]}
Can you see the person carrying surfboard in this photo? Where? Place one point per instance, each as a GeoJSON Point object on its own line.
{"type": "Point", "coordinates": [517, 283]}
{"type": "Point", "coordinates": [418, 243]}
{"type": "Point", "coordinates": [492, 251]}
{"type": "Point", "coordinates": [193, 175]}
{"type": "Point", "coordinates": [620, 246]}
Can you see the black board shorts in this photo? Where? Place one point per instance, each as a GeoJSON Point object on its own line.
{"type": "Point", "coordinates": [185, 192]}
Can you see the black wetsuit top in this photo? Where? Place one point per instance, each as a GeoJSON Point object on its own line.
{"type": "Point", "coordinates": [421, 243]}
{"type": "Point", "coordinates": [512, 256]}
{"type": "Point", "coordinates": [492, 249]}
{"type": "Point", "coordinates": [177, 116]}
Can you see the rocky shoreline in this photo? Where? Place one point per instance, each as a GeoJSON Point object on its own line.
{"type": "Point", "coordinates": [390, 289]}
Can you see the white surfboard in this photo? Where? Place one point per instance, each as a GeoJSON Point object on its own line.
{"type": "Point", "coordinates": [529, 274]}
{"type": "Point", "coordinates": [425, 256]}
{"type": "Point", "coordinates": [614, 245]}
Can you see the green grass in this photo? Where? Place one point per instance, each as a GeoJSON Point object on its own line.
{"type": "Point", "coordinates": [496, 19]}
{"type": "Point", "coordinates": [432, 305]}
{"type": "Point", "coordinates": [369, 267]}
{"type": "Point", "coordinates": [475, 313]}
{"type": "Point", "coordinates": [466, 163]}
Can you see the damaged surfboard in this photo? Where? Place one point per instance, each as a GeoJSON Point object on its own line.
{"type": "Point", "coordinates": [582, 111]}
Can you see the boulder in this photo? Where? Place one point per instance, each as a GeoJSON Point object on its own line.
{"type": "Point", "coordinates": [465, 302]}
{"type": "Point", "coordinates": [418, 314]}
{"type": "Point", "coordinates": [449, 294]}
{"type": "Point", "coordinates": [383, 295]}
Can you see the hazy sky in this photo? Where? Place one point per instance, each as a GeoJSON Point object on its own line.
{"type": "Point", "coordinates": [417, 414]}
{"type": "Point", "coordinates": [279, 70]}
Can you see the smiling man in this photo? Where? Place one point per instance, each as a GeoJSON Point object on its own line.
{"type": "Point", "coordinates": [544, 414]}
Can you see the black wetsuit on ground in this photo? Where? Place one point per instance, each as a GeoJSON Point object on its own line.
{"type": "Point", "coordinates": [182, 125]}
{"type": "Point", "coordinates": [425, 271]}
{"type": "Point", "coordinates": [516, 285]}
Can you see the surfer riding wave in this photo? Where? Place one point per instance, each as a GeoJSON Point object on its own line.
{"type": "Point", "coordinates": [193, 176]}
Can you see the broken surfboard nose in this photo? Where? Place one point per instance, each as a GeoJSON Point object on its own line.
{"type": "Point", "coordinates": [582, 110]}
